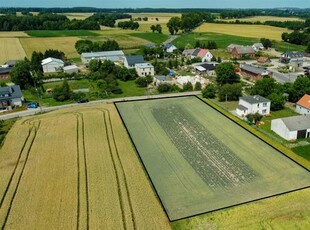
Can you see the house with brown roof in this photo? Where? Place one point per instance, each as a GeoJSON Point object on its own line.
{"type": "Point", "coordinates": [254, 73]}
{"type": "Point", "coordinates": [231, 46]}
{"type": "Point", "coordinates": [264, 60]}
{"type": "Point", "coordinates": [243, 52]}
{"type": "Point", "coordinates": [303, 105]}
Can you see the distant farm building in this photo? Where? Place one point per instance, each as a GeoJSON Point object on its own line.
{"type": "Point", "coordinates": [144, 69]}
{"type": "Point", "coordinates": [254, 73]}
{"type": "Point", "coordinates": [258, 46]}
{"type": "Point", "coordinates": [131, 60]}
{"type": "Point", "coordinates": [253, 104]}
{"type": "Point", "coordinates": [71, 69]}
{"type": "Point", "coordinates": [52, 65]}
{"type": "Point", "coordinates": [10, 97]}
{"type": "Point", "coordinates": [114, 56]}
{"type": "Point", "coordinates": [231, 46]}
{"type": "Point", "coordinates": [170, 47]}
{"type": "Point", "coordinates": [292, 128]}
{"type": "Point", "coordinates": [243, 52]}
{"type": "Point", "coordinates": [303, 105]}
{"type": "Point", "coordinates": [263, 60]}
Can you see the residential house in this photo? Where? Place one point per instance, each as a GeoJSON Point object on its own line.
{"type": "Point", "coordinates": [264, 60]}
{"type": "Point", "coordinates": [188, 52]}
{"type": "Point", "coordinates": [114, 56]}
{"type": "Point", "coordinates": [243, 52]}
{"type": "Point", "coordinates": [71, 69]}
{"type": "Point", "coordinates": [204, 54]}
{"type": "Point", "coordinates": [131, 60]}
{"type": "Point", "coordinates": [52, 65]}
{"type": "Point", "coordinates": [292, 128]}
{"type": "Point", "coordinates": [206, 68]}
{"type": "Point", "coordinates": [170, 47]}
{"type": "Point", "coordinates": [159, 79]}
{"type": "Point", "coordinates": [303, 105]}
{"type": "Point", "coordinates": [258, 46]}
{"type": "Point", "coordinates": [253, 73]}
{"type": "Point", "coordinates": [294, 59]}
{"type": "Point", "coordinates": [5, 73]}
{"type": "Point", "coordinates": [10, 97]}
{"type": "Point", "coordinates": [144, 69]}
{"type": "Point", "coordinates": [253, 104]}
{"type": "Point", "coordinates": [231, 46]}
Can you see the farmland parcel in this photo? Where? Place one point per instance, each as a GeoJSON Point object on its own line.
{"type": "Point", "coordinates": [200, 161]}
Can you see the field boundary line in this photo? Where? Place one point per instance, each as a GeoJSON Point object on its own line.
{"type": "Point", "coordinates": [78, 172]}
{"type": "Point", "coordinates": [123, 171]}
{"type": "Point", "coordinates": [242, 203]}
{"type": "Point", "coordinates": [21, 175]}
{"type": "Point", "coordinates": [119, 190]}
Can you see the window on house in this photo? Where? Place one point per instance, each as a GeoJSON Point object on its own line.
{"type": "Point", "coordinates": [264, 111]}
{"type": "Point", "coordinates": [257, 105]}
{"type": "Point", "coordinates": [264, 104]}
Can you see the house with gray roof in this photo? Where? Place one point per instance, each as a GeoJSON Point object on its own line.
{"type": "Point", "coordinates": [254, 73]}
{"type": "Point", "coordinates": [253, 104]}
{"type": "Point", "coordinates": [170, 47]}
{"type": "Point", "coordinates": [114, 56]}
{"type": "Point", "coordinates": [10, 97]}
{"type": "Point", "coordinates": [131, 60]}
{"type": "Point", "coordinates": [5, 73]}
{"type": "Point", "coordinates": [258, 46]}
{"type": "Point", "coordinates": [292, 128]}
{"type": "Point", "coordinates": [160, 79]}
{"type": "Point", "coordinates": [293, 58]}
{"type": "Point", "coordinates": [231, 46]}
{"type": "Point", "coordinates": [243, 52]}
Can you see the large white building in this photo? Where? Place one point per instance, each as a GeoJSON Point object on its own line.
{"type": "Point", "coordinates": [52, 65]}
{"type": "Point", "coordinates": [292, 128]}
{"type": "Point", "coordinates": [253, 104]}
{"type": "Point", "coordinates": [114, 56]}
{"type": "Point", "coordinates": [144, 69]}
{"type": "Point", "coordinates": [303, 105]}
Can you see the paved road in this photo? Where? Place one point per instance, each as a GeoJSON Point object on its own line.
{"type": "Point", "coordinates": [283, 78]}
{"type": "Point", "coordinates": [170, 39]}
{"type": "Point", "coordinates": [30, 112]}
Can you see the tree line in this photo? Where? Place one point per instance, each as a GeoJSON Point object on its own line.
{"type": "Point", "coordinates": [108, 19]}
{"type": "Point", "coordinates": [83, 46]}
{"type": "Point", "coordinates": [45, 21]}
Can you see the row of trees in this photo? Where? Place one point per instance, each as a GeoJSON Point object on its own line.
{"type": "Point", "coordinates": [129, 25]}
{"type": "Point", "coordinates": [297, 37]}
{"type": "Point", "coordinates": [156, 28]}
{"type": "Point", "coordinates": [82, 46]}
{"type": "Point", "coordinates": [45, 22]}
{"type": "Point", "coordinates": [108, 19]}
{"type": "Point", "coordinates": [209, 45]}
{"type": "Point", "coordinates": [188, 21]}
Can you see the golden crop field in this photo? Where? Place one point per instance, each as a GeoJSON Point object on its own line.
{"type": "Point", "coordinates": [13, 34]}
{"type": "Point", "coordinates": [265, 18]}
{"type": "Point", "coordinates": [65, 44]}
{"type": "Point", "coordinates": [75, 169]}
{"type": "Point", "coordinates": [78, 16]}
{"type": "Point", "coordinates": [252, 31]}
{"type": "Point", "coordinates": [11, 49]}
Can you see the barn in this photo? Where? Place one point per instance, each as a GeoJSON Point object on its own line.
{"type": "Point", "coordinates": [292, 128]}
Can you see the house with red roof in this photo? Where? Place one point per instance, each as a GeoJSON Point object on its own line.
{"type": "Point", "coordinates": [303, 105]}
{"type": "Point", "coordinates": [204, 54]}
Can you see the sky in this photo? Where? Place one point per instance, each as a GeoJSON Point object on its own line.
{"type": "Point", "coordinates": [158, 3]}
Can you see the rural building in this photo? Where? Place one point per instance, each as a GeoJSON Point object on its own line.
{"type": "Point", "coordinates": [10, 97]}
{"type": "Point", "coordinates": [114, 56]}
{"type": "Point", "coordinates": [258, 46]}
{"type": "Point", "coordinates": [159, 79]}
{"type": "Point", "coordinates": [303, 105]}
{"type": "Point", "coordinates": [11, 63]}
{"type": "Point", "coordinates": [264, 60]}
{"type": "Point", "coordinates": [254, 73]}
{"type": "Point", "coordinates": [294, 59]}
{"type": "Point", "coordinates": [131, 60]}
{"type": "Point", "coordinates": [71, 69]}
{"type": "Point", "coordinates": [292, 128]}
{"type": "Point", "coordinates": [5, 73]}
{"type": "Point", "coordinates": [52, 65]}
{"type": "Point", "coordinates": [144, 69]}
{"type": "Point", "coordinates": [150, 45]}
{"type": "Point", "coordinates": [204, 54]}
{"type": "Point", "coordinates": [205, 68]}
{"type": "Point", "coordinates": [243, 52]}
{"type": "Point", "coordinates": [170, 47]}
{"type": "Point", "coordinates": [231, 46]}
{"type": "Point", "coordinates": [253, 104]}
{"type": "Point", "coordinates": [184, 79]}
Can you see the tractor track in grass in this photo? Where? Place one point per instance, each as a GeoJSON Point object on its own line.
{"type": "Point", "coordinates": [35, 130]}
{"type": "Point", "coordinates": [78, 171]}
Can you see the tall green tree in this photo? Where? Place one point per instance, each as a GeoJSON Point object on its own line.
{"type": "Point", "coordinates": [174, 25]}
{"type": "Point", "coordinates": [277, 101]}
{"type": "Point", "coordinates": [225, 73]}
{"type": "Point", "coordinates": [21, 74]}
{"type": "Point", "coordinates": [209, 91]}
{"type": "Point", "coordinates": [264, 87]}
{"type": "Point", "coordinates": [63, 92]}
{"type": "Point", "coordinates": [230, 92]}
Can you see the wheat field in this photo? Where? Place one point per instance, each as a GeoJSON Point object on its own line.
{"type": "Point", "coordinates": [10, 49]}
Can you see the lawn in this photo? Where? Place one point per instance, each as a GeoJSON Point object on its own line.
{"type": "Point", "coordinates": [152, 37]}
{"type": "Point", "coordinates": [130, 89]}
{"type": "Point", "coordinates": [200, 161]}
{"type": "Point", "coordinates": [61, 33]}
{"type": "Point", "coordinates": [74, 84]}
{"type": "Point", "coordinates": [11, 49]}
{"type": "Point", "coordinates": [303, 151]}
{"type": "Point", "coordinates": [250, 31]}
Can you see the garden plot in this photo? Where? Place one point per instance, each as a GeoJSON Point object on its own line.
{"type": "Point", "coordinates": [200, 161]}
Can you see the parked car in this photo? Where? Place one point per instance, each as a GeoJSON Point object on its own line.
{"type": "Point", "coordinates": [33, 105]}
{"type": "Point", "coordinates": [83, 100]}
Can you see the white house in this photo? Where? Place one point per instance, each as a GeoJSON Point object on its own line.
{"type": "Point", "coordinates": [292, 128]}
{"type": "Point", "coordinates": [303, 105]}
{"type": "Point", "coordinates": [144, 69]}
{"type": "Point", "coordinates": [114, 56]}
{"type": "Point", "coordinates": [71, 69]}
{"type": "Point", "coordinates": [52, 65]}
{"type": "Point", "coordinates": [258, 46]}
{"type": "Point", "coordinates": [159, 79]}
{"type": "Point", "coordinates": [253, 104]}
{"type": "Point", "coordinates": [170, 47]}
{"type": "Point", "coordinates": [131, 60]}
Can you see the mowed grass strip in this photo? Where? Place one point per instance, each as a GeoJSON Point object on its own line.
{"type": "Point", "coordinates": [47, 193]}
{"type": "Point", "coordinates": [60, 33]}
{"type": "Point", "coordinates": [11, 49]}
{"type": "Point", "coordinates": [65, 44]}
{"type": "Point", "coordinates": [252, 31]}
